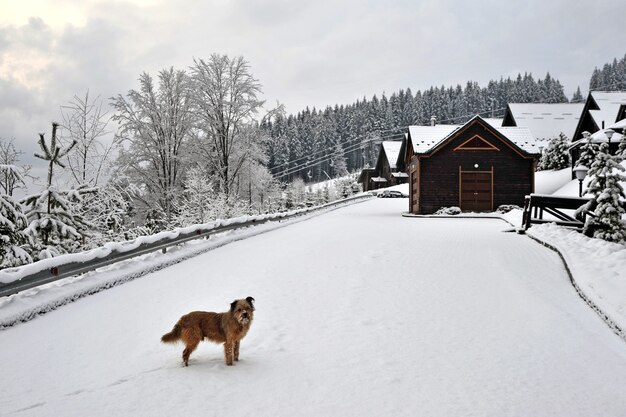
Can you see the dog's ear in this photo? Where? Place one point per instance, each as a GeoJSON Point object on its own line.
{"type": "Point", "coordinates": [233, 305]}
{"type": "Point", "coordinates": [250, 301]}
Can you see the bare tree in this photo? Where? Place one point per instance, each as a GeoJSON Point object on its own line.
{"type": "Point", "coordinates": [155, 122]}
{"type": "Point", "coordinates": [86, 124]}
{"type": "Point", "coordinates": [11, 176]}
{"type": "Point", "coordinates": [225, 99]}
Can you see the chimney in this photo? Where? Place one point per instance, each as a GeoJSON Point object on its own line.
{"type": "Point", "coordinates": [433, 120]}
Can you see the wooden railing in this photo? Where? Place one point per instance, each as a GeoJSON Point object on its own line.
{"type": "Point", "coordinates": [551, 209]}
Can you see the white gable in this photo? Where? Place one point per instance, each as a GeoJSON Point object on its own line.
{"type": "Point", "coordinates": [392, 150]}
{"type": "Point", "coordinates": [609, 103]}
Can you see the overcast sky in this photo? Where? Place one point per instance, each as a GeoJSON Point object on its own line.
{"type": "Point", "coordinates": [304, 53]}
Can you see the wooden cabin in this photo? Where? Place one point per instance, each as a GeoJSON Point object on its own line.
{"type": "Point", "coordinates": [386, 173]}
{"type": "Point", "coordinates": [365, 178]}
{"type": "Point", "coordinates": [475, 166]}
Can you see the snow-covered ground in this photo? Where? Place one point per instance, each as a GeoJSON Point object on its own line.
{"type": "Point", "coordinates": [360, 312]}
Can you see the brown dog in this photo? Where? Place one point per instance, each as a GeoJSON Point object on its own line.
{"type": "Point", "coordinates": [228, 328]}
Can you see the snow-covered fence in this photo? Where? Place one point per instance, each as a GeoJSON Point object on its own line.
{"type": "Point", "coordinates": [14, 280]}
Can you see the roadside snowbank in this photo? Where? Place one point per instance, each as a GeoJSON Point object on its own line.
{"type": "Point", "coordinates": [598, 268]}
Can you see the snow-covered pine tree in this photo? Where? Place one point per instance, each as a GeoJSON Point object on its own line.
{"type": "Point", "coordinates": [338, 161]}
{"type": "Point", "coordinates": [577, 97]}
{"type": "Point", "coordinates": [588, 152]}
{"type": "Point", "coordinates": [54, 221]}
{"type": "Point", "coordinates": [13, 240]}
{"type": "Point", "coordinates": [607, 222]}
{"type": "Point", "coordinates": [556, 156]}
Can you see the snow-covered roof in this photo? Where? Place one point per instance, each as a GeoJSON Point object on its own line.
{"type": "Point", "coordinates": [609, 103]}
{"type": "Point", "coordinates": [425, 138]}
{"type": "Point", "coordinates": [378, 179]}
{"type": "Point", "coordinates": [523, 137]}
{"type": "Point", "coordinates": [599, 137]}
{"type": "Point", "coordinates": [618, 125]}
{"type": "Point", "coordinates": [547, 120]}
{"type": "Point", "coordinates": [399, 174]}
{"type": "Point", "coordinates": [392, 150]}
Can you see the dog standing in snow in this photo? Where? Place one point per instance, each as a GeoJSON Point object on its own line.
{"type": "Point", "coordinates": [227, 328]}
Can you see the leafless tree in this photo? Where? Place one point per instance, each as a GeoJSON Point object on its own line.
{"type": "Point", "coordinates": [225, 101]}
{"type": "Point", "coordinates": [12, 177]}
{"type": "Point", "coordinates": [155, 122]}
{"type": "Point", "coordinates": [85, 123]}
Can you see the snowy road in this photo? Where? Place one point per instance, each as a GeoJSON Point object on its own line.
{"type": "Point", "coordinates": [360, 312]}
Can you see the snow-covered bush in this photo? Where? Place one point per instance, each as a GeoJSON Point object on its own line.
{"type": "Point", "coordinates": [448, 211]}
{"type": "Point", "coordinates": [505, 208]}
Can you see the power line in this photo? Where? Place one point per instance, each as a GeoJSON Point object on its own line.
{"type": "Point", "coordinates": [325, 158]}
{"type": "Point", "coordinates": [362, 139]}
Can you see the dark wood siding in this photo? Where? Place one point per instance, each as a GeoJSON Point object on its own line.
{"type": "Point", "coordinates": [439, 173]}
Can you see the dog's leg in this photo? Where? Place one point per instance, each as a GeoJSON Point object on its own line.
{"type": "Point", "coordinates": [236, 351]}
{"type": "Point", "coordinates": [192, 338]}
{"type": "Point", "coordinates": [229, 350]}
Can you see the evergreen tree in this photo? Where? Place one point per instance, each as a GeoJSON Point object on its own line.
{"type": "Point", "coordinates": [13, 240]}
{"type": "Point", "coordinates": [556, 156]}
{"type": "Point", "coordinates": [606, 222]}
{"type": "Point", "coordinates": [612, 77]}
{"type": "Point", "coordinates": [588, 152]}
{"type": "Point", "coordinates": [338, 161]}
{"type": "Point", "coordinates": [577, 97]}
{"type": "Point", "coordinates": [54, 219]}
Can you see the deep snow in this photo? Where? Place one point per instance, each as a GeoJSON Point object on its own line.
{"type": "Point", "coordinates": [360, 312]}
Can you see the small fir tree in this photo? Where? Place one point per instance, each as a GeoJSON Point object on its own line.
{"type": "Point", "coordinates": [55, 223]}
{"type": "Point", "coordinates": [556, 156]}
{"type": "Point", "coordinates": [578, 96]}
{"type": "Point", "coordinates": [588, 152]}
{"type": "Point", "coordinates": [13, 240]}
{"type": "Point", "coordinates": [606, 222]}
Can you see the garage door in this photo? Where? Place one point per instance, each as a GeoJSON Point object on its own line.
{"type": "Point", "coordinates": [476, 190]}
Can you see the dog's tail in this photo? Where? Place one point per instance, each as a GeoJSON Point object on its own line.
{"type": "Point", "coordinates": [173, 336]}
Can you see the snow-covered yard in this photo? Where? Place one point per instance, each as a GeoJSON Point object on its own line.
{"type": "Point", "coordinates": [360, 312]}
